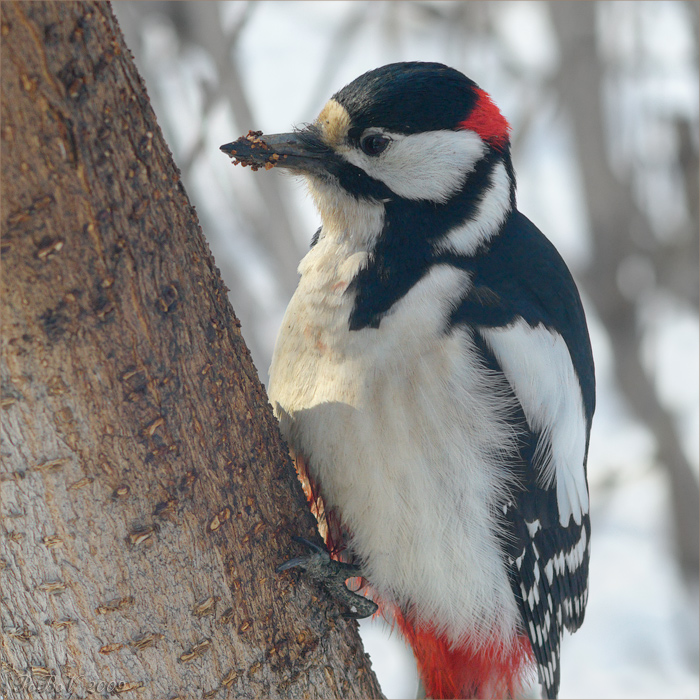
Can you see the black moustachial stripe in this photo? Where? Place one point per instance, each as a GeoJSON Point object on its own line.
{"type": "Point", "coordinates": [355, 181]}
{"type": "Point", "coordinates": [405, 250]}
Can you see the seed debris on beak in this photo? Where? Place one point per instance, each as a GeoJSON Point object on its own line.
{"type": "Point", "coordinates": [242, 152]}
{"type": "Point", "coordinates": [294, 151]}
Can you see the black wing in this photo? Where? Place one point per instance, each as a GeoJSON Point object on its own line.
{"type": "Point", "coordinates": [522, 279]}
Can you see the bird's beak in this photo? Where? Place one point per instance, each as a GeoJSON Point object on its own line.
{"type": "Point", "coordinates": [300, 151]}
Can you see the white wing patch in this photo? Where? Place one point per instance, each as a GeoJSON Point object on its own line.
{"type": "Point", "coordinates": [538, 366]}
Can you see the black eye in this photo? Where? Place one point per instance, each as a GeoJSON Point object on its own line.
{"type": "Point", "coordinates": [374, 144]}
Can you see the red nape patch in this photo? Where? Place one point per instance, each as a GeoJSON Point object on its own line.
{"type": "Point", "coordinates": [487, 121]}
{"type": "Point", "coordinates": [469, 670]}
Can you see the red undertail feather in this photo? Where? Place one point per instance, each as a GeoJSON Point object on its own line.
{"type": "Point", "coordinates": [468, 671]}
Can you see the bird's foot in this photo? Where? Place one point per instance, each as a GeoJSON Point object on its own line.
{"type": "Point", "coordinates": [332, 574]}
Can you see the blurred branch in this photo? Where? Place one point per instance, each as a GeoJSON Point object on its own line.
{"type": "Point", "coordinates": [273, 225]}
{"type": "Point", "coordinates": [211, 96]}
{"type": "Point", "coordinates": [614, 217]}
{"type": "Point", "coordinates": [339, 48]}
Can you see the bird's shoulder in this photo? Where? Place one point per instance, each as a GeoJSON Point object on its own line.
{"type": "Point", "coordinates": [520, 276]}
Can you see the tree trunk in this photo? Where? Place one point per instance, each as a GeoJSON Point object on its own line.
{"type": "Point", "coordinates": [146, 493]}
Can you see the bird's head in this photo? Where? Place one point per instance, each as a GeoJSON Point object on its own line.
{"type": "Point", "coordinates": [412, 133]}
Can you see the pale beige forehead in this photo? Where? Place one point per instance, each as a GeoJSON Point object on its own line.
{"type": "Point", "coordinates": [334, 121]}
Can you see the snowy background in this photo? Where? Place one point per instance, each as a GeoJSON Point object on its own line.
{"type": "Point", "coordinates": [216, 70]}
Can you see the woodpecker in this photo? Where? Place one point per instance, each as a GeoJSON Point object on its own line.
{"type": "Point", "coordinates": [434, 380]}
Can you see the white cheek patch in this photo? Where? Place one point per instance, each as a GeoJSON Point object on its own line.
{"type": "Point", "coordinates": [429, 166]}
{"type": "Point", "coordinates": [538, 366]}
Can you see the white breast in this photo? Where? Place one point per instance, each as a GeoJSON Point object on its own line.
{"type": "Point", "coordinates": [403, 433]}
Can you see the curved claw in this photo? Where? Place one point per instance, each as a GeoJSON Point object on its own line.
{"type": "Point", "coordinates": [291, 563]}
{"type": "Point", "coordinates": [311, 545]}
{"type": "Point", "coordinates": [305, 560]}
{"type": "Point", "coordinates": [332, 574]}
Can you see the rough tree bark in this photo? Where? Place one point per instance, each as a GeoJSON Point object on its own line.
{"type": "Point", "coordinates": [146, 494]}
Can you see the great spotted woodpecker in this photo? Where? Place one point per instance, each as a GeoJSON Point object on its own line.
{"type": "Point", "coordinates": [433, 377]}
